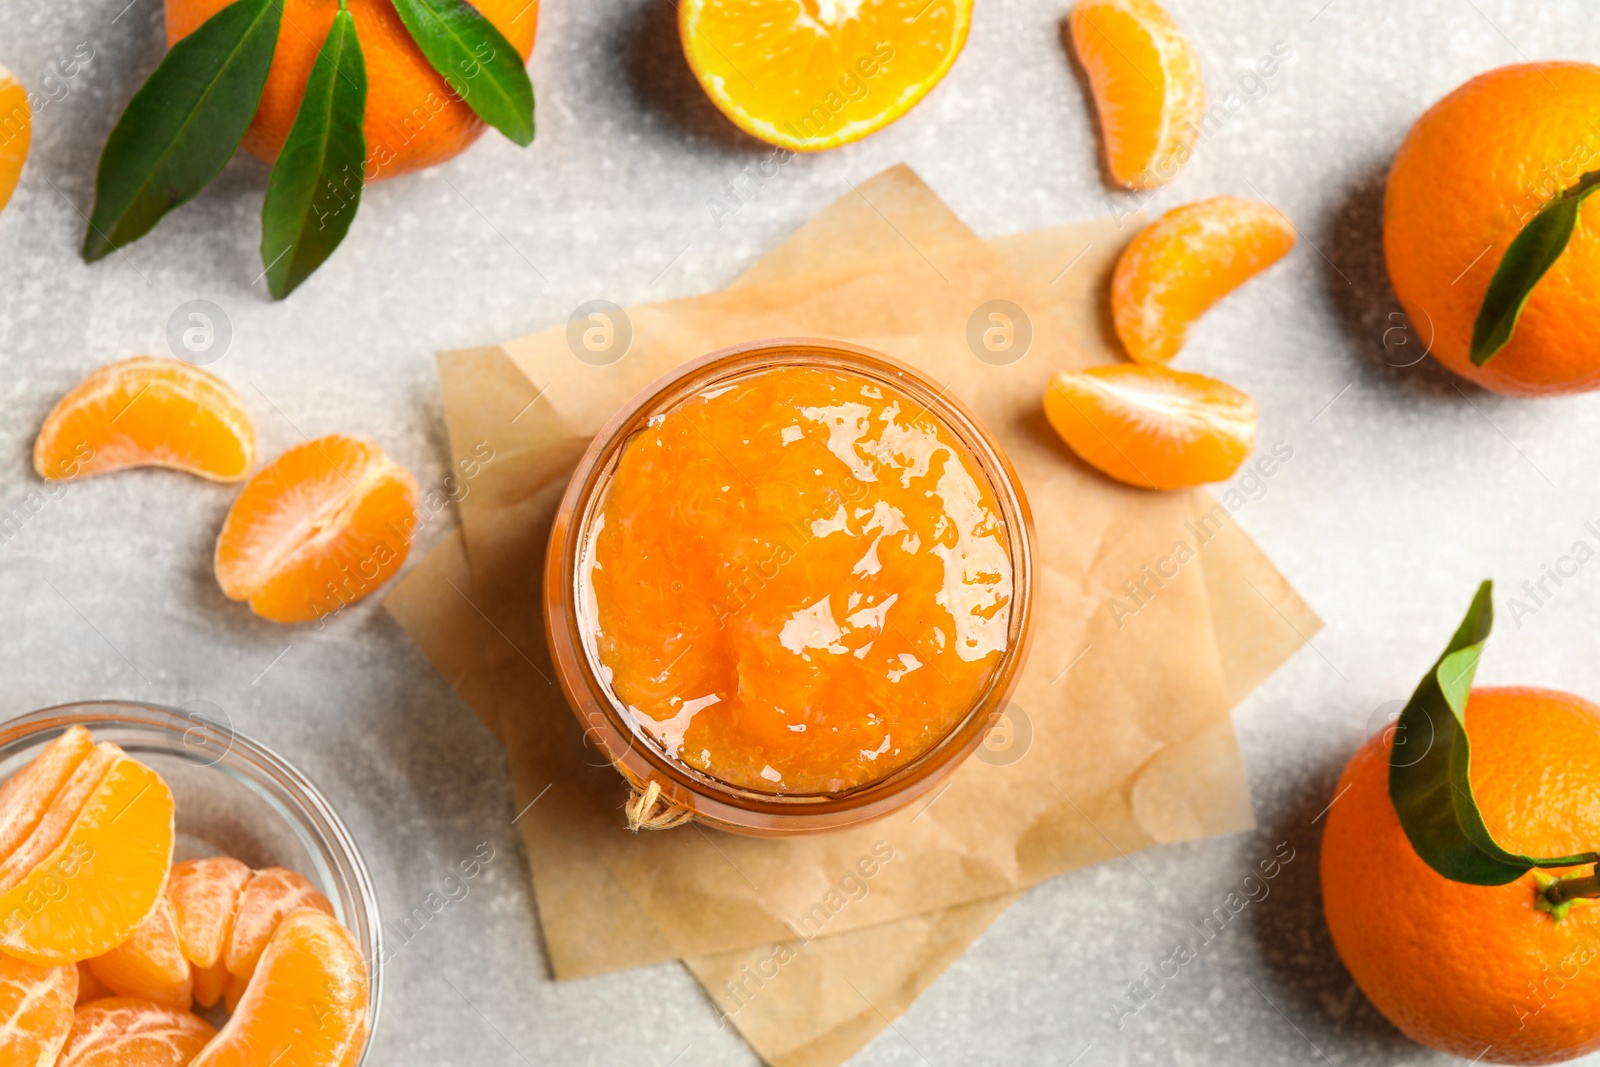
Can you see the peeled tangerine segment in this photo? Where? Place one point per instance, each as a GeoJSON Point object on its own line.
{"type": "Point", "coordinates": [1146, 84]}
{"type": "Point", "coordinates": [149, 965]}
{"type": "Point", "coordinates": [823, 73]}
{"type": "Point", "coordinates": [127, 1032]}
{"type": "Point", "coordinates": [269, 896]}
{"type": "Point", "coordinates": [35, 1011]}
{"type": "Point", "coordinates": [16, 132]}
{"type": "Point", "coordinates": [321, 526]}
{"type": "Point", "coordinates": [205, 895]}
{"type": "Point", "coordinates": [1184, 262]}
{"type": "Point", "coordinates": [1151, 426]}
{"type": "Point", "coordinates": [27, 794]}
{"type": "Point", "coordinates": [88, 893]}
{"type": "Point", "coordinates": [147, 412]}
{"type": "Point", "coordinates": [306, 1005]}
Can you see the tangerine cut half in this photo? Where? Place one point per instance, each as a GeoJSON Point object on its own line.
{"type": "Point", "coordinates": [205, 895]}
{"type": "Point", "coordinates": [149, 965]}
{"type": "Point", "coordinates": [1147, 87]}
{"type": "Point", "coordinates": [16, 133]}
{"type": "Point", "coordinates": [1151, 426]}
{"type": "Point", "coordinates": [127, 1032]}
{"type": "Point", "coordinates": [318, 528]}
{"type": "Point", "coordinates": [26, 796]}
{"type": "Point", "coordinates": [1184, 262]}
{"type": "Point", "coordinates": [147, 412]}
{"type": "Point", "coordinates": [35, 1011]}
{"type": "Point", "coordinates": [813, 74]}
{"type": "Point", "coordinates": [89, 894]}
{"type": "Point", "coordinates": [306, 1005]}
{"type": "Point", "coordinates": [270, 895]}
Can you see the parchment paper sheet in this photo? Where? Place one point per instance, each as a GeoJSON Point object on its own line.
{"type": "Point", "coordinates": [1131, 741]}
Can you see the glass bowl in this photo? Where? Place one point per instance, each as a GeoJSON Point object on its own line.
{"type": "Point", "coordinates": [632, 751]}
{"type": "Point", "coordinates": [234, 796]}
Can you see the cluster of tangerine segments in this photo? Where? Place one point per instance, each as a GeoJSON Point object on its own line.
{"type": "Point", "coordinates": [320, 527]}
{"type": "Point", "coordinates": [1144, 423]}
{"type": "Point", "coordinates": [107, 946]}
{"type": "Point", "coordinates": [822, 73]}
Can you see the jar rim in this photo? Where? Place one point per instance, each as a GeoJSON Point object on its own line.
{"type": "Point", "coordinates": [635, 754]}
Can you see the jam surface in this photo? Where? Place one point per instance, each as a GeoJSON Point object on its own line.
{"type": "Point", "coordinates": [798, 581]}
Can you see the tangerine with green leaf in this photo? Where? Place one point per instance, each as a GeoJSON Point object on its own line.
{"type": "Point", "coordinates": [1479, 168]}
{"type": "Point", "coordinates": [414, 117]}
{"type": "Point", "coordinates": [1501, 973]}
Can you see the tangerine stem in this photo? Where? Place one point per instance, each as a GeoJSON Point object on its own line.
{"type": "Point", "coordinates": [1565, 889]}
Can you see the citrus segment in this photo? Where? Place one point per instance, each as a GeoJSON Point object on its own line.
{"type": "Point", "coordinates": [321, 526]}
{"type": "Point", "coordinates": [125, 1032]}
{"type": "Point", "coordinates": [16, 131]}
{"type": "Point", "coordinates": [27, 794]}
{"type": "Point", "coordinates": [58, 818]}
{"type": "Point", "coordinates": [87, 895]}
{"type": "Point", "coordinates": [204, 895]}
{"type": "Point", "coordinates": [233, 992]}
{"type": "Point", "coordinates": [210, 982]}
{"type": "Point", "coordinates": [35, 1012]}
{"type": "Point", "coordinates": [1151, 426]}
{"type": "Point", "coordinates": [1147, 87]}
{"type": "Point", "coordinates": [147, 412]}
{"type": "Point", "coordinates": [1184, 262]}
{"type": "Point", "coordinates": [267, 898]}
{"type": "Point", "coordinates": [89, 987]}
{"type": "Point", "coordinates": [814, 74]}
{"type": "Point", "coordinates": [413, 119]}
{"type": "Point", "coordinates": [1465, 968]}
{"type": "Point", "coordinates": [149, 965]}
{"type": "Point", "coordinates": [1470, 174]}
{"type": "Point", "coordinates": [306, 1005]}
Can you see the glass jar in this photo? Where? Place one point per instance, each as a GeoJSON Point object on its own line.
{"type": "Point", "coordinates": [233, 796]}
{"type": "Point", "coordinates": [635, 753]}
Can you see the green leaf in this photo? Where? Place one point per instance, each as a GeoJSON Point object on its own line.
{"type": "Point", "coordinates": [1527, 258]}
{"type": "Point", "coordinates": [183, 125]}
{"type": "Point", "coordinates": [315, 187]}
{"type": "Point", "coordinates": [479, 64]}
{"type": "Point", "coordinates": [1432, 790]}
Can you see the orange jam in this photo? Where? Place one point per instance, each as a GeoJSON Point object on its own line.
{"type": "Point", "coordinates": [798, 581]}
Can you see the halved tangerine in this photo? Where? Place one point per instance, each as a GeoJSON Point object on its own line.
{"type": "Point", "coordinates": [1151, 426]}
{"type": "Point", "coordinates": [147, 412]}
{"type": "Point", "coordinates": [814, 74]}
{"type": "Point", "coordinates": [205, 895]}
{"type": "Point", "coordinates": [149, 965]}
{"type": "Point", "coordinates": [88, 893]}
{"type": "Point", "coordinates": [35, 1012]}
{"type": "Point", "coordinates": [321, 526]}
{"type": "Point", "coordinates": [1184, 262]}
{"type": "Point", "coordinates": [26, 796]}
{"type": "Point", "coordinates": [1147, 87]}
{"type": "Point", "coordinates": [16, 132]}
{"type": "Point", "coordinates": [126, 1032]}
{"type": "Point", "coordinates": [306, 1005]}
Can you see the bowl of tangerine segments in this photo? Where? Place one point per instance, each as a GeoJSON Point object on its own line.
{"type": "Point", "coordinates": [173, 893]}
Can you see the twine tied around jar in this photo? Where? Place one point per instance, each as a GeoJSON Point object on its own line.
{"type": "Point", "coordinates": [650, 810]}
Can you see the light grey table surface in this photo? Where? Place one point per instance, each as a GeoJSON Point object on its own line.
{"type": "Point", "coordinates": [1402, 493]}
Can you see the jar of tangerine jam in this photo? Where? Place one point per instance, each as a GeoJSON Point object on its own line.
{"type": "Point", "coordinates": [788, 588]}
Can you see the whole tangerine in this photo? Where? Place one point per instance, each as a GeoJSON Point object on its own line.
{"type": "Point", "coordinates": [414, 119]}
{"type": "Point", "coordinates": [1478, 971]}
{"type": "Point", "coordinates": [1467, 178]}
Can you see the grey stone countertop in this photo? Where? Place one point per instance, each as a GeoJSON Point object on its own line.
{"type": "Point", "coordinates": [1403, 491]}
